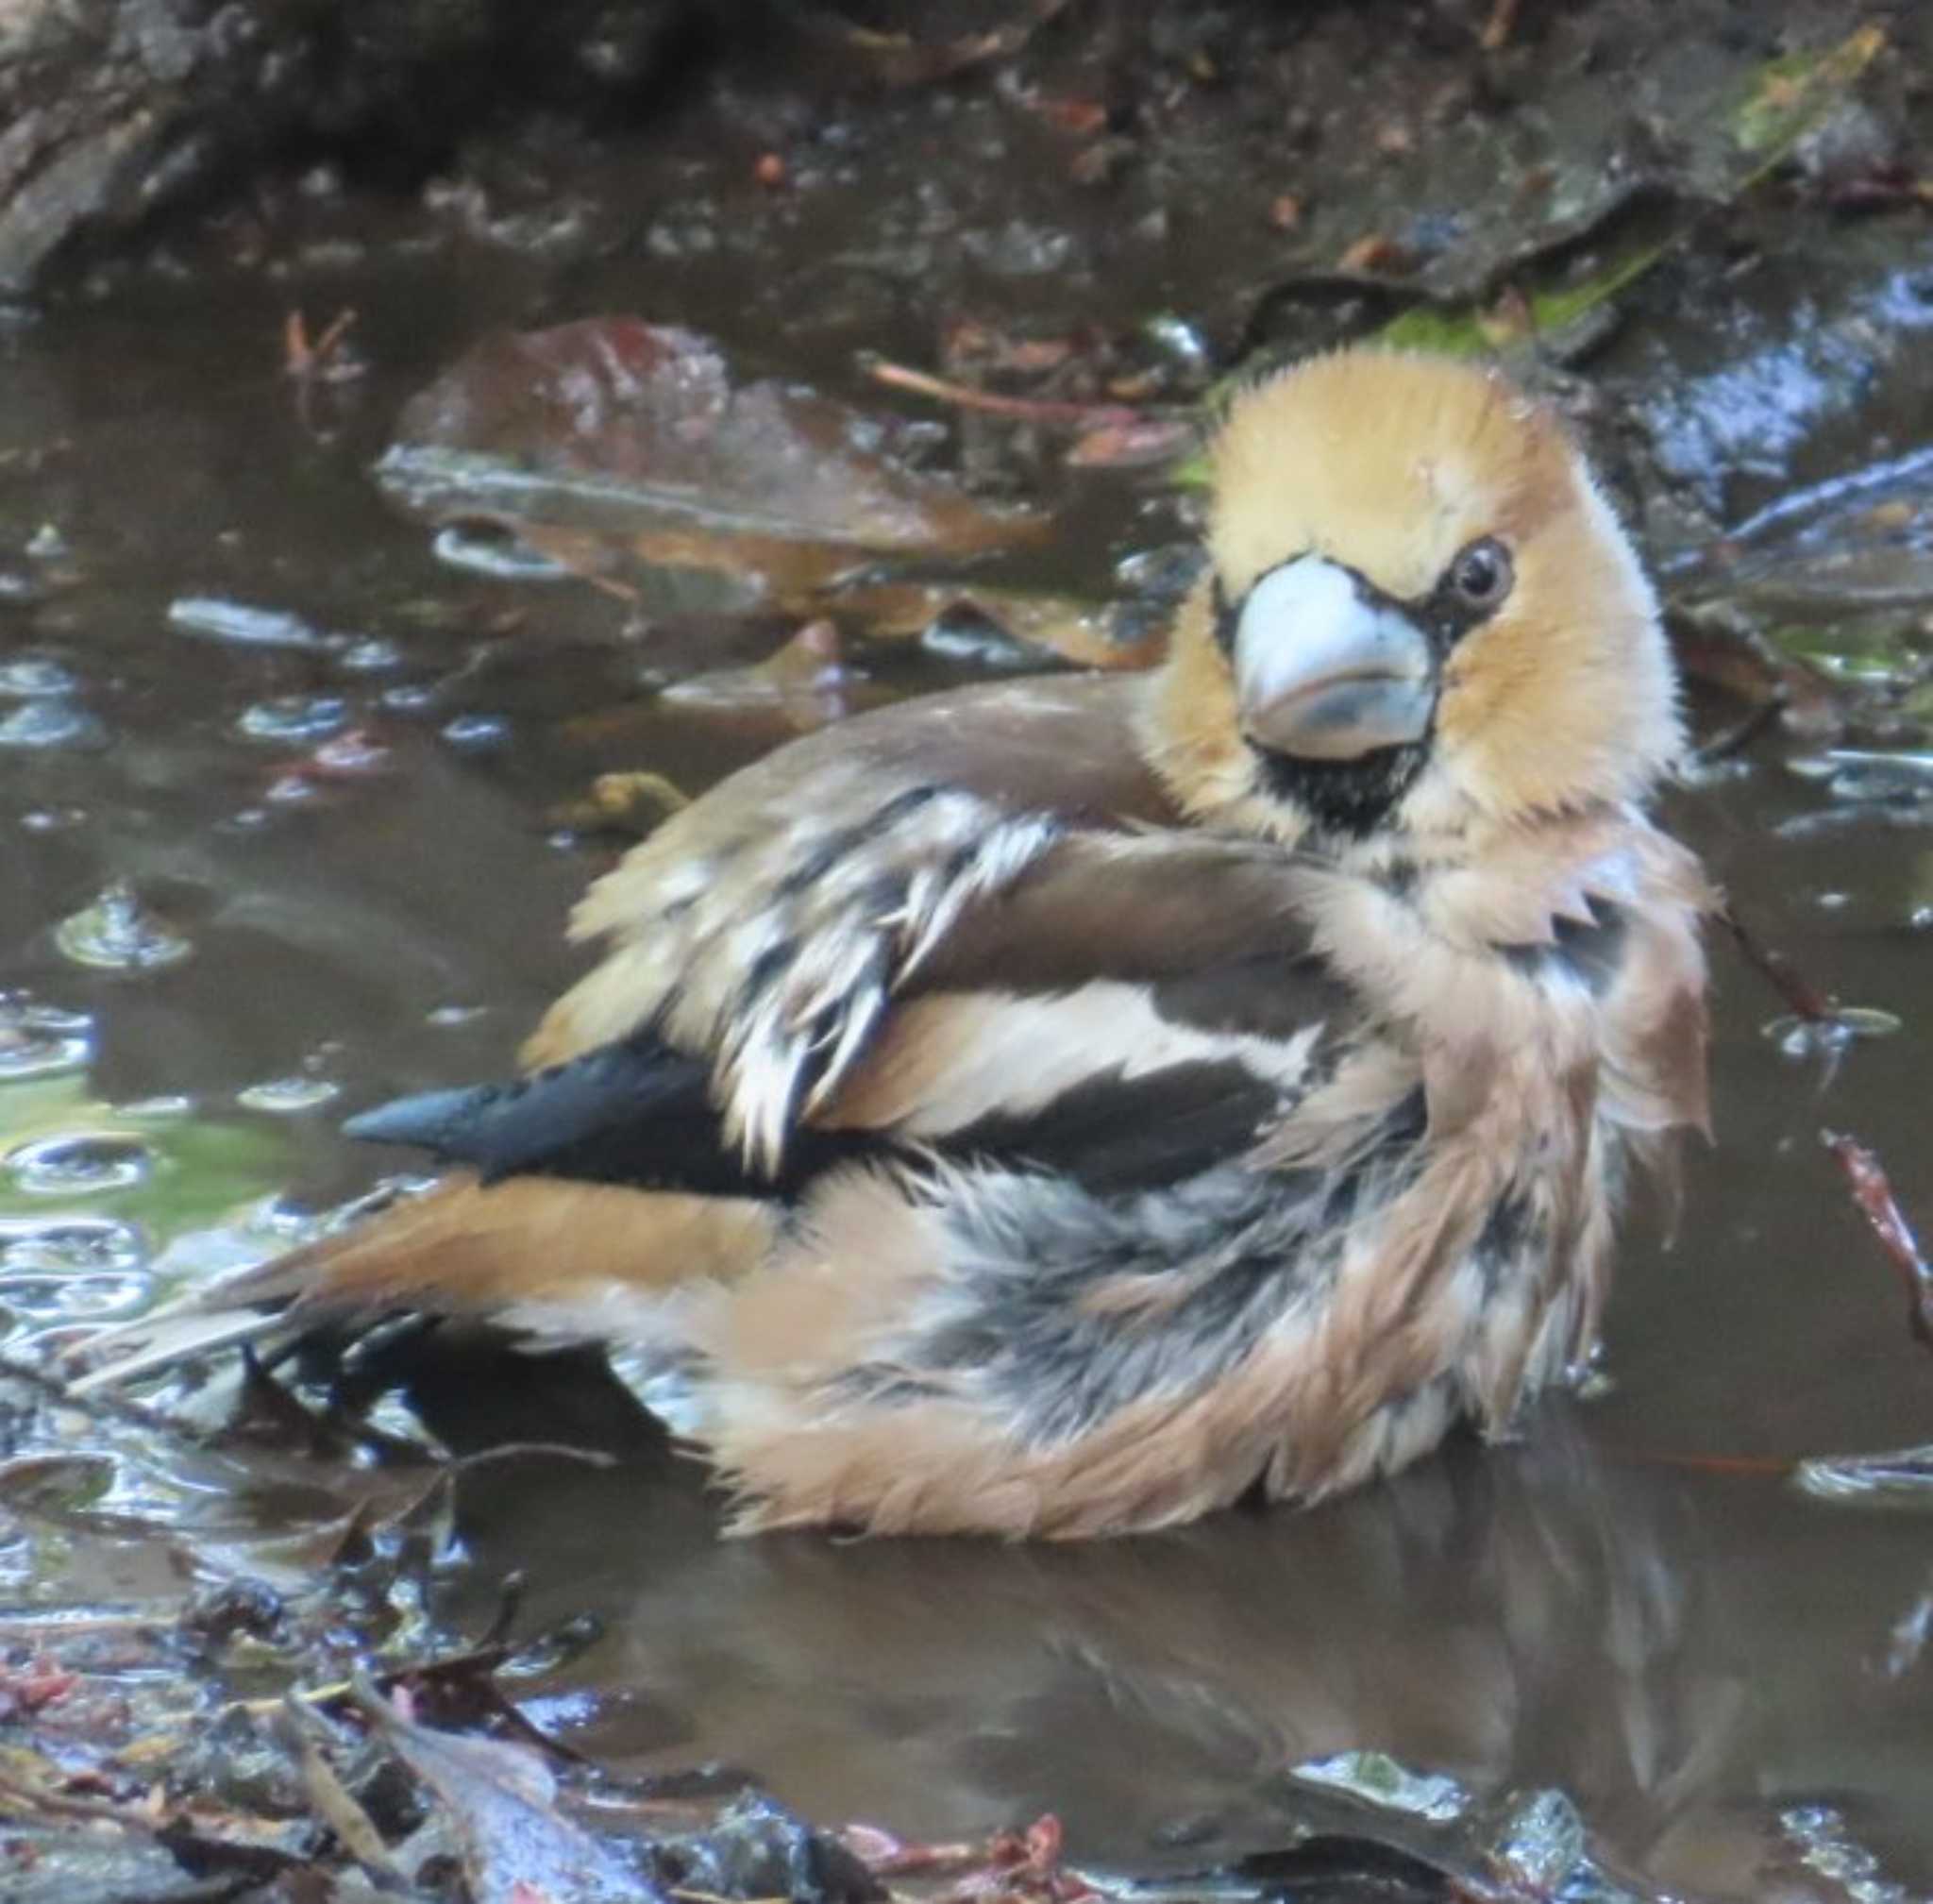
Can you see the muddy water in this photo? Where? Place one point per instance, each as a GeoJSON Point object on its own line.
{"type": "Point", "coordinates": [335, 873]}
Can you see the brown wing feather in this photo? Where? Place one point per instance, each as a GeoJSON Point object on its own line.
{"type": "Point", "coordinates": [838, 799]}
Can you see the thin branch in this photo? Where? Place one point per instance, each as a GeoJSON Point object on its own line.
{"type": "Point", "coordinates": [1053, 414]}
{"type": "Point", "coordinates": [1800, 994]}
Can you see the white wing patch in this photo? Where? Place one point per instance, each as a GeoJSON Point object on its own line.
{"type": "Point", "coordinates": [809, 973]}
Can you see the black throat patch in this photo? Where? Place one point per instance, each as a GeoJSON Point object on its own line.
{"type": "Point", "coordinates": [1343, 799]}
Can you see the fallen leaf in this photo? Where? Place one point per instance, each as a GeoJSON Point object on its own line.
{"type": "Point", "coordinates": [627, 429]}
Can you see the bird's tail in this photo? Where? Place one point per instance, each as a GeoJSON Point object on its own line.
{"type": "Point", "coordinates": [583, 1262]}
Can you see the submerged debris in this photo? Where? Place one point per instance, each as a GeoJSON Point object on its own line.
{"type": "Point", "coordinates": [1873, 1194]}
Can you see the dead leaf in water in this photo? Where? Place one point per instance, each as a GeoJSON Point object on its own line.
{"type": "Point", "coordinates": [640, 432]}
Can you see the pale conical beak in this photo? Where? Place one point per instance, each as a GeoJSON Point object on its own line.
{"type": "Point", "coordinates": [1324, 673]}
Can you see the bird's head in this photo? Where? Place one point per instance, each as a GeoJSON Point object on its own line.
{"type": "Point", "coordinates": [1419, 620]}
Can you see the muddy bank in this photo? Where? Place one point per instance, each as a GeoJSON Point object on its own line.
{"type": "Point", "coordinates": [114, 114]}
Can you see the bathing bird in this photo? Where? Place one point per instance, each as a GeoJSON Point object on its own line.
{"type": "Point", "coordinates": [1067, 1106]}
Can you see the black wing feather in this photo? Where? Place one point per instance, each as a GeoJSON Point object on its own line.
{"type": "Point", "coordinates": [636, 1112]}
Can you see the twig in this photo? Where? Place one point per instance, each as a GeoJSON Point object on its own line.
{"type": "Point", "coordinates": [1770, 1465]}
{"type": "Point", "coordinates": [305, 360]}
{"type": "Point", "coordinates": [1872, 1191]}
{"type": "Point", "coordinates": [1053, 414]}
{"type": "Point", "coordinates": [338, 1809]}
{"type": "Point", "coordinates": [1799, 993]}
{"type": "Point", "coordinates": [548, 1450]}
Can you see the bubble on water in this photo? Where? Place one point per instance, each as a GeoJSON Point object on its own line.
{"type": "Point", "coordinates": [69, 1246]}
{"type": "Point", "coordinates": [372, 654]}
{"type": "Point", "coordinates": [284, 1097]}
{"type": "Point", "coordinates": [476, 730]}
{"type": "Point", "coordinates": [294, 716]}
{"type": "Point", "coordinates": [53, 818]}
{"type": "Point", "coordinates": [37, 726]}
{"type": "Point", "coordinates": [42, 1295]}
{"type": "Point", "coordinates": [34, 676]}
{"type": "Point", "coordinates": [39, 1041]}
{"type": "Point", "coordinates": [119, 934]}
{"type": "Point", "coordinates": [455, 1015]}
{"type": "Point", "coordinates": [351, 755]}
{"type": "Point", "coordinates": [20, 590]}
{"type": "Point", "coordinates": [169, 1104]}
{"type": "Point", "coordinates": [1805, 1038]}
{"type": "Point", "coordinates": [240, 623]}
{"type": "Point", "coordinates": [78, 1164]}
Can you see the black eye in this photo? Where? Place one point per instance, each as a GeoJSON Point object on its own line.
{"type": "Point", "coordinates": [1481, 575]}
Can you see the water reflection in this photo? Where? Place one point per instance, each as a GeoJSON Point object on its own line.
{"type": "Point", "coordinates": [1549, 1615]}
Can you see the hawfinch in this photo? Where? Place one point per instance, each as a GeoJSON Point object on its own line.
{"type": "Point", "coordinates": [1064, 1107]}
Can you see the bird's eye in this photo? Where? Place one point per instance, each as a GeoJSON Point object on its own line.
{"type": "Point", "coordinates": [1481, 575]}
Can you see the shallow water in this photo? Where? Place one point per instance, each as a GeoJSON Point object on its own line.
{"type": "Point", "coordinates": [262, 870]}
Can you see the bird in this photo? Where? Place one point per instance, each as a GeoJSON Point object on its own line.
{"type": "Point", "coordinates": [1068, 1106]}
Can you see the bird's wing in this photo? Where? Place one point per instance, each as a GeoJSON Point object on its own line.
{"type": "Point", "coordinates": [1125, 1007]}
{"type": "Point", "coordinates": [964, 928]}
{"type": "Point", "coordinates": [763, 929]}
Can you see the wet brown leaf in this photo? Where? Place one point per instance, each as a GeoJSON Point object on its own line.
{"type": "Point", "coordinates": [25, 1689]}
{"type": "Point", "coordinates": [644, 430]}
